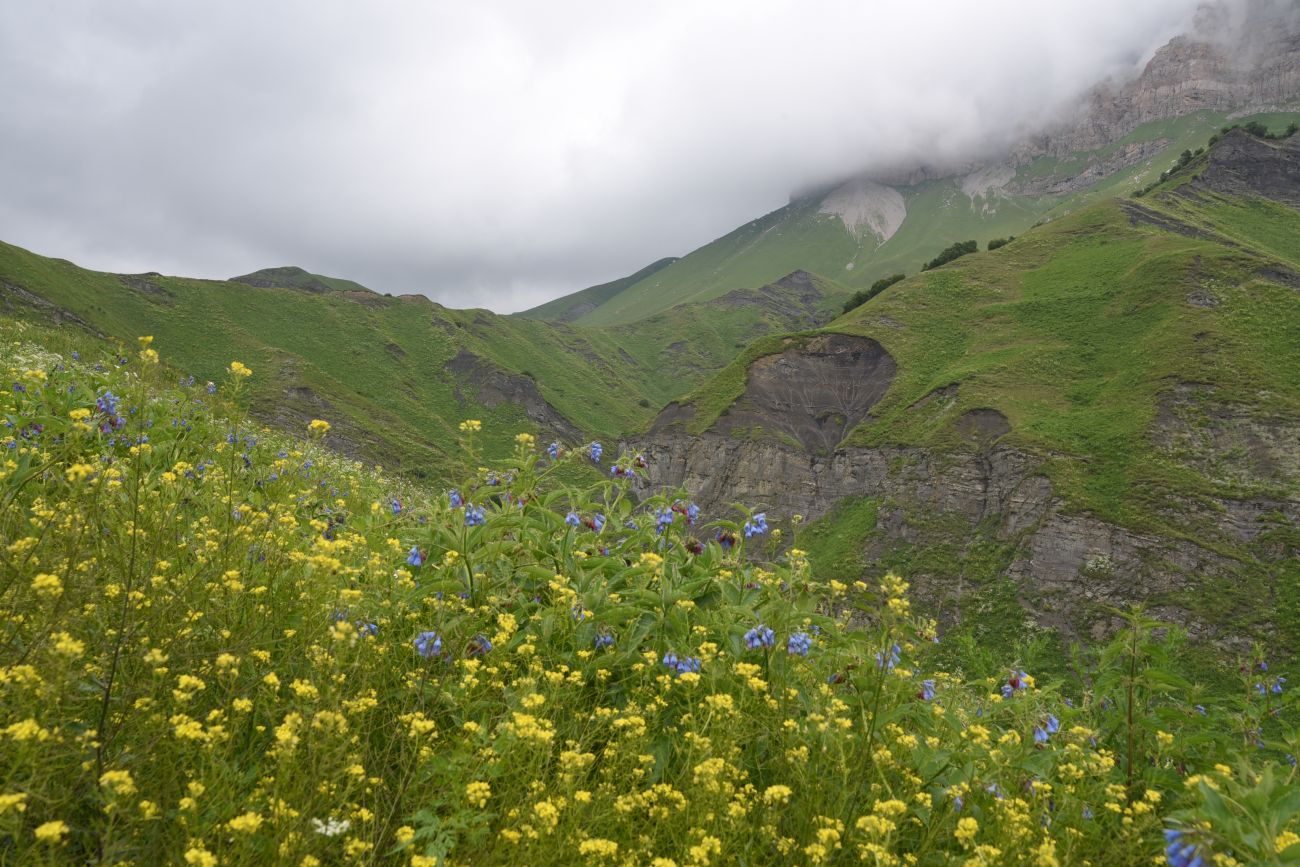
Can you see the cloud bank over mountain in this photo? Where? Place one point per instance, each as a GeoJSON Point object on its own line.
{"type": "Point", "coordinates": [500, 154]}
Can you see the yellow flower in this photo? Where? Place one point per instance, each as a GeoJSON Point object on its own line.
{"type": "Point", "coordinates": [26, 730]}
{"type": "Point", "coordinates": [318, 427]}
{"type": "Point", "coordinates": [598, 847]}
{"type": "Point", "coordinates": [525, 439]}
{"type": "Point", "coordinates": [471, 425]}
{"type": "Point", "coordinates": [197, 856]}
{"type": "Point", "coordinates": [45, 584]}
{"type": "Point", "coordinates": [777, 795]}
{"type": "Point", "coordinates": [118, 782]}
{"type": "Point", "coordinates": [51, 832]}
{"type": "Point", "coordinates": [240, 370]}
{"type": "Point", "coordinates": [404, 835]}
{"type": "Point", "coordinates": [145, 341]}
{"type": "Point", "coordinates": [16, 802]}
{"type": "Point", "coordinates": [149, 356]}
{"type": "Point", "coordinates": [967, 828]}
{"type": "Point", "coordinates": [478, 793]}
{"type": "Point", "coordinates": [245, 824]}
{"type": "Point", "coordinates": [1284, 841]}
{"type": "Point", "coordinates": [79, 472]}
{"type": "Point", "coordinates": [875, 826]}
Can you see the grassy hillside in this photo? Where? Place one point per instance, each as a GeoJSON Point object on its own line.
{"type": "Point", "coordinates": [939, 213]}
{"type": "Point", "coordinates": [1078, 329]}
{"type": "Point", "coordinates": [288, 658]}
{"type": "Point", "coordinates": [1145, 352]}
{"type": "Point", "coordinates": [293, 277]}
{"type": "Point", "coordinates": [570, 307]}
{"type": "Point", "coordinates": [398, 374]}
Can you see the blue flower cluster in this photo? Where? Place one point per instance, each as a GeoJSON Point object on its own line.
{"type": "Point", "coordinates": [107, 405]}
{"type": "Point", "coordinates": [596, 450]}
{"type": "Point", "coordinates": [603, 640]}
{"type": "Point", "coordinates": [681, 665]}
{"type": "Point", "coordinates": [474, 516]}
{"type": "Point", "coordinates": [799, 644]}
{"type": "Point", "coordinates": [1275, 686]}
{"type": "Point", "coordinates": [760, 636]}
{"type": "Point", "coordinates": [755, 526]}
{"type": "Point", "coordinates": [428, 644]}
{"type": "Point", "coordinates": [1050, 726]}
{"type": "Point", "coordinates": [888, 662]}
{"type": "Point", "coordinates": [1014, 683]}
{"type": "Point", "coordinates": [1180, 852]}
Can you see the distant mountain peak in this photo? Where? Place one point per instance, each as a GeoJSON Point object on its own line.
{"type": "Point", "coordinates": [293, 277]}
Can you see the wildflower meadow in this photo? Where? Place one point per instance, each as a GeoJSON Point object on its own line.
{"type": "Point", "coordinates": [222, 644]}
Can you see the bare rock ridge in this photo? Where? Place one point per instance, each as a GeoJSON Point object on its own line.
{"type": "Point", "coordinates": [1247, 166]}
{"type": "Point", "coordinates": [1245, 61]}
{"type": "Point", "coordinates": [1239, 58]}
{"type": "Point", "coordinates": [814, 394]}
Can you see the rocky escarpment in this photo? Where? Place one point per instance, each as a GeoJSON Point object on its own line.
{"type": "Point", "coordinates": [1241, 164]}
{"type": "Point", "coordinates": [1068, 567]}
{"type": "Point", "coordinates": [813, 394]}
{"type": "Point", "coordinates": [1240, 58]}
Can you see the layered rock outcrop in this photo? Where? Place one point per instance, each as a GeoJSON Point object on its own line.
{"type": "Point", "coordinates": [779, 445]}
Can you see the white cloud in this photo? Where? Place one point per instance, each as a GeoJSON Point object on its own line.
{"type": "Point", "coordinates": [496, 154]}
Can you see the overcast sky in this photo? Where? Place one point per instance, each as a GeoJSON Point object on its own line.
{"type": "Point", "coordinates": [498, 154]}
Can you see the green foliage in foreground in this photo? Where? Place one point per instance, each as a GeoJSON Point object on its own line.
{"type": "Point", "coordinates": [222, 645]}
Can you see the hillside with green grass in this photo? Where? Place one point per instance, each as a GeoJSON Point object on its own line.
{"type": "Point", "coordinates": [293, 277]}
{"type": "Point", "coordinates": [1076, 328]}
{"type": "Point", "coordinates": [1118, 387]}
{"type": "Point", "coordinates": [397, 374]}
{"type": "Point", "coordinates": [567, 308]}
{"type": "Point", "coordinates": [803, 235]}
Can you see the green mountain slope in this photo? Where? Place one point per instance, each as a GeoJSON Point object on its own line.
{"type": "Point", "coordinates": [1076, 329]}
{"type": "Point", "coordinates": [570, 307]}
{"type": "Point", "coordinates": [396, 375]}
{"type": "Point", "coordinates": [1108, 408]}
{"type": "Point", "coordinates": [804, 235]}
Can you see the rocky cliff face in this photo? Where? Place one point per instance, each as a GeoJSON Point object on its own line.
{"type": "Point", "coordinates": [1241, 63]}
{"type": "Point", "coordinates": [1066, 566]}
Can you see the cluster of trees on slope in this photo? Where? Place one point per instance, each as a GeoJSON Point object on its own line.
{"type": "Point", "coordinates": [955, 251]}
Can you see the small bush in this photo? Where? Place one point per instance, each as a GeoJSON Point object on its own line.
{"type": "Point", "coordinates": [865, 295]}
{"type": "Point", "coordinates": [956, 251]}
{"type": "Point", "coordinates": [1000, 242]}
